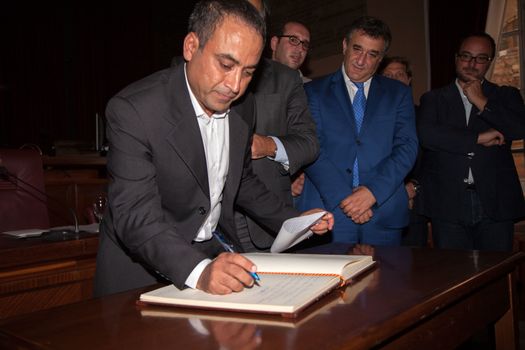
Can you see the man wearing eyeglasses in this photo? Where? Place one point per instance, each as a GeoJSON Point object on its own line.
{"type": "Point", "coordinates": [284, 140]}
{"type": "Point", "coordinates": [471, 188]}
{"type": "Point", "coordinates": [291, 45]}
{"type": "Point", "coordinates": [366, 127]}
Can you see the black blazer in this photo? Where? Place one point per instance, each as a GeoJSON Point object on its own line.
{"type": "Point", "coordinates": [158, 191]}
{"type": "Point", "coordinates": [450, 148]}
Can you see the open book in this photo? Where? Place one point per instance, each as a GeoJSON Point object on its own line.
{"type": "Point", "coordinates": [289, 283]}
{"type": "Point", "coordinates": [323, 306]}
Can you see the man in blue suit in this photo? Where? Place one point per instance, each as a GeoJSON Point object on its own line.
{"type": "Point", "coordinates": [366, 128]}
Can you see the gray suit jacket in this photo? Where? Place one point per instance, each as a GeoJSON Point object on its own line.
{"type": "Point", "coordinates": [158, 191]}
{"type": "Point", "coordinates": [282, 111]}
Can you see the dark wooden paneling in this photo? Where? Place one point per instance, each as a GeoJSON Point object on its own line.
{"type": "Point", "coordinates": [38, 273]}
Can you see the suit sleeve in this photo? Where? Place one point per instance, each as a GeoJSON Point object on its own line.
{"type": "Point", "coordinates": [505, 112]}
{"type": "Point", "coordinates": [300, 142]}
{"type": "Point", "coordinates": [135, 202]}
{"type": "Point", "coordinates": [391, 171]}
{"type": "Point", "coordinates": [258, 202]}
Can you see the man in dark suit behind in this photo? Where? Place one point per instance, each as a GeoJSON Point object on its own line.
{"type": "Point", "coordinates": [179, 160]}
{"type": "Point", "coordinates": [471, 189]}
{"type": "Point", "coordinates": [284, 140]}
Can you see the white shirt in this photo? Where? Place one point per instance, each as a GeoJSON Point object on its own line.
{"type": "Point", "coordinates": [352, 88]}
{"type": "Point", "coordinates": [215, 135]}
{"type": "Point", "coordinates": [468, 109]}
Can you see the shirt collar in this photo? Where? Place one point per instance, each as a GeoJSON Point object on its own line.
{"type": "Point", "coordinates": [461, 93]}
{"type": "Point", "coordinates": [350, 83]}
{"type": "Point", "coordinates": [460, 89]}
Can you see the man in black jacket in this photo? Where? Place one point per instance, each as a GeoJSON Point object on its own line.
{"type": "Point", "coordinates": [472, 192]}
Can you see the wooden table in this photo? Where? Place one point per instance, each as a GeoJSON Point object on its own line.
{"type": "Point", "coordinates": [414, 299]}
{"type": "Point", "coordinates": [39, 273]}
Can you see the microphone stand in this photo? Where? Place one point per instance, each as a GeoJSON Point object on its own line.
{"type": "Point", "coordinates": [7, 175]}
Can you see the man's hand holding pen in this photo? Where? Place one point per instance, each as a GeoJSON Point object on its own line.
{"type": "Point", "coordinates": [231, 272]}
{"type": "Point", "coordinates": [227, 273]}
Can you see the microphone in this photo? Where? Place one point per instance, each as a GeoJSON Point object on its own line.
{"type": "Point", "coordinates": [8, 176]}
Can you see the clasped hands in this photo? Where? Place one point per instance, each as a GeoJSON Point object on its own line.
{"type": "Point", "coordinates": [230, 272]}
{"type": "Point", "coordinates": [357, 206]}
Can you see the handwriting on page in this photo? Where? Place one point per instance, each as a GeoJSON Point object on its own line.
{"type": "Point", "coordinates": [282, 289]}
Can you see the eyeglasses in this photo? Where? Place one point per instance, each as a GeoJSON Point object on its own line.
{"type": "Point", "coordinates": [295, 41]}
{"type": "Point", "coordinates": [466, 57]}
{"type": "Point", "coordinates": [358, 50]}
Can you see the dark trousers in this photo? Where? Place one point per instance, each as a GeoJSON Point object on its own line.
{"type": "Point", "coordinates": [476, 231]}
{"type": "Point", "coordinates": [416, 234]}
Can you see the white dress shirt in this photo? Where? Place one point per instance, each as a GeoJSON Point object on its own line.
{"type": "Point", "coordinates": [352, 88]}
{"type": "Point", "coordinates": [468, 109]}
{"type": "Point", "coordinates": [215, 135]}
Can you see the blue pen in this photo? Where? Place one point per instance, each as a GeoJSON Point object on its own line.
{"type": "Point", "coordinates": [229, 248]}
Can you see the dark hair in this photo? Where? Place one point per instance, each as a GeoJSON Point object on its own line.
{"type": "Point", "coordinates": [395, 59]}
{"type": "Point", "coordinates": [483, 35]}
{"type": "Point", "coordinates": [207, 15]}
{"type": "Point", "coordinates": [372, 27]}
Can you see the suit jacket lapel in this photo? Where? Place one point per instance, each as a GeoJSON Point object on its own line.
{"type": "Point", "coordinates": [373, 100]}
{"type": "Point", "coordinates": [453, 97]}
{"type": "Point", "coordinates": [185, 137]}
{"type": "Point", "coordinates": [340, 92]}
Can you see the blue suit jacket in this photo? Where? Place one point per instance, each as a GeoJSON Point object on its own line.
{"type": "Point", "coordinates": [386, 148]}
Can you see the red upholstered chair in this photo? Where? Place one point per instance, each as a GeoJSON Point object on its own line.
{"type": "Point", "coordinates": [21, 204]}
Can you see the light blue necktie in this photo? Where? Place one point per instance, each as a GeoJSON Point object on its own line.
{"type": "Point", "coordinates": [359, 106]}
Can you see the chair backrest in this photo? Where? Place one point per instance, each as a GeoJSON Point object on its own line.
{"type": "Point", "coordinates": [23, 203]}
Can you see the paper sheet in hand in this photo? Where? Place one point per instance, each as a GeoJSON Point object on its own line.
{"type": "Point", "coordinates": [294, 230]}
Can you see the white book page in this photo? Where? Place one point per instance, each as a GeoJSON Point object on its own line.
{"type": "Point", "coordinates": [294, 230]}
{"type": "Point", "coordinates": [304, 263]}
{"type": "Point", "coordinates": [276, 293]}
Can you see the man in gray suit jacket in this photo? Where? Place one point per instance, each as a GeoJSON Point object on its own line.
{"type": "Point", "coordinates": [179, 160]}
{"type": "Point", "coordinates": [284, 141]}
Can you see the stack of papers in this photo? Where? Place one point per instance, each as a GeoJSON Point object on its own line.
{"type": "Point", "coordinates": [36, 232]}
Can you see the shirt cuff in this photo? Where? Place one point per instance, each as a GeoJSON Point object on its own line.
{"type": "Point", "coordinates": [194, 276]}
{"type": "Point", "coordinates": [280, 156]}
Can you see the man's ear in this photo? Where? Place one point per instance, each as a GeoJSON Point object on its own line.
{"type": "Point", "coordinates": [190, 46]}
{"type": "Point", "coordinates": [273, 43]}
{"type": "Point", "coordinates": [344, 46]}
